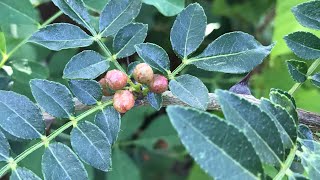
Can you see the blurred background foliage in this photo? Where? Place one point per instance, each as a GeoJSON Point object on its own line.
{"type": "Point", "coordinates": [148, 147]}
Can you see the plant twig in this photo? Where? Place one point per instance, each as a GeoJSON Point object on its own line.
{"type": "Point", "coordinates": [308, 118]}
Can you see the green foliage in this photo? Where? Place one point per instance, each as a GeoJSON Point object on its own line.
{"type": "Point", "coordinates": [297, 70]}
{"type": "Point", "coordinates": [57, 160]}
{"type": "Point", "coordinates": [108, 120]}
{"type": "Point", "coordinates": [117, 14]}
{"type": "Point", "coordinates": [19, 113]}
{"type": "Point", "coordinates": [190, 90]}
{"type": "Point", "coordinates": [307, 17]}
{"type": "Point", "coordinates": [231, 53]}
{"type": "Point", "coordinates": [85, 65]}
{"type": "Point", "coordinates": [92, 145]}
{"type": "Point", "coordinates": [155, 56]}
{"type": "Point", "coordinates": [167, 7]}
{"type": "Point", "coordinates": [53, 97]}
{"type": "Point", "coordinates": [252, 139]}
{"type": "Point", "coordinates": [305, 45]}
{"type": "Point", "coordinates": [52, 38]}
{"type": "Point", "coordinates": [87, 91]}
{"type": "Point", "coordinates": [127, 37]}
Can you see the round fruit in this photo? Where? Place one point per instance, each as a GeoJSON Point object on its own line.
{"type": "Point", "coordinates": [143, 73]}
{"type": "Point", "coordinates": [123, 101]}
{"type": "Point", "coordinates": [159, 84]}
{"type": "Point", "coordinates": [116, 79]}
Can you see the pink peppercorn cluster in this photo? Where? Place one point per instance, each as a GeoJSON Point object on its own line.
{"type": "Point", "coordinates": [115, 80]}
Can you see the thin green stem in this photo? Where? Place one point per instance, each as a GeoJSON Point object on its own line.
{"type": "Point", "coordinates": [178, 69]}
{"type": "Point", "coordinates": [46, 140]}
{"type": "Point", "coordinates": [285, 167]}
{"type": "Point", "coordinates": [5, 57]}
{"type": "Point", "coordinates": [311, 69]}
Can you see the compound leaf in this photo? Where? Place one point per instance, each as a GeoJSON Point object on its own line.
{"type": "Point", "coordinates": [20, 117]}
{"type": "Point", "coordinates": [59, 161]}
{"type": "Point", "coordinates": [53, 97]}
{"type": "Point", "coordinates": [61, 36]}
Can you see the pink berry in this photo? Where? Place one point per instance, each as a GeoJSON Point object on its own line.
{"type": "Point", "coordinates": [143, 73]}
{"type": "Point", "coordinates": [116, 79]}
{"type": "Point", "coordinates": [123, 101]}
{"type": "Point", "coordinates": [159, 84]}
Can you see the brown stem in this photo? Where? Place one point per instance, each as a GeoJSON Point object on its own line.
{"type": "Point", "coordinates": [309, 118]}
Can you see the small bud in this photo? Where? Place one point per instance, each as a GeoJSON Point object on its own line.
{"type": "Point", "coordinates": [116, 79]}
{"type": "Point", "coordinates": [143, 73]}
{"type": "Point", "coordinates": [159, 84]}
{"type": "Point", "coordinates": [105, 89]}
{"type": "Point", "coordinates": [123, 101]}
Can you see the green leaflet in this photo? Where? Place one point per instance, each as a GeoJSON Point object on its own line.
{"type": "Point", "coordinates": [3, 47]}
{"type": "Point", "coordinates": [188, 30]}
{"type": "Point", "coordinates": [315, 79]}
{"type": "Point", "coordinates": [53, 97]}
{"type": "Point", "coordinates": [91, 145]}
{"type": "Point", "coordinates": [95, 5]}
{"type": "Point", "coordinates": [25, 70]}
{"type": "Point", "coordinates": [109, 120]}
{"type": "Point", "coordinates": [304, 44]}
{"type": "Point", "coordinates": [61, 36]}
{"type": "Point", "coordinates": [310, 158]}
{"type": "Point", "coordinates": [89, 92]}
{"type": "Point", "coordinates": [22, 174]}
{"type": "Point", "coordinates": [117, 14]}
{"type": "Point", "coordinates": [155, 56]}
{"type": "Point", "coordinates": [85, 65]}
{"type": "Point", "coordinates": [123, 168]}
{"type": "Point", "coordinates": [76, 10]}
{"type": "Point", "coordinates": [190, 90]}
{"type": "Point", "coordinates": [59, 161]}
{"type": "Point", "coordinates": [167, 7]}
{"type": "Point", "coordinates": [128, 37]}
{"type": "Point", "coordinates": [297, 70]}
{"type": "Point", "coordinates": [18, 12]}
{"type": "Point", "coordinates": [217, 146]}
{"type": "Point", "coordinates": [4, 147]}
{"type": "Point", "coordinates": [20, 117]}
{"type": "Point", "coordinates": [264, 135]}
{"type": "Point", "coordinates": [284, 122]}
{"type": "Point", "coordinates": [155, 100]}
{"type": "Point", "coordinates": [234, 52]}
{"type": "Point", "coordinates": [308, 14]}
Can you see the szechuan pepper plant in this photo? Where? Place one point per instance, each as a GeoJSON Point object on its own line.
{"type": "Point", "coordinates": [82, 126]}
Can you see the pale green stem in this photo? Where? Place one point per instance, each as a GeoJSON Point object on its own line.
{"type": "Point", "coordinates": [311, 69]}
{"type": "Point", "coordinates": [5, 57]}
{"type": "Point", "coordinates": [286, 166]}
{"type": "Point", "coordinates": [46, 140]}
